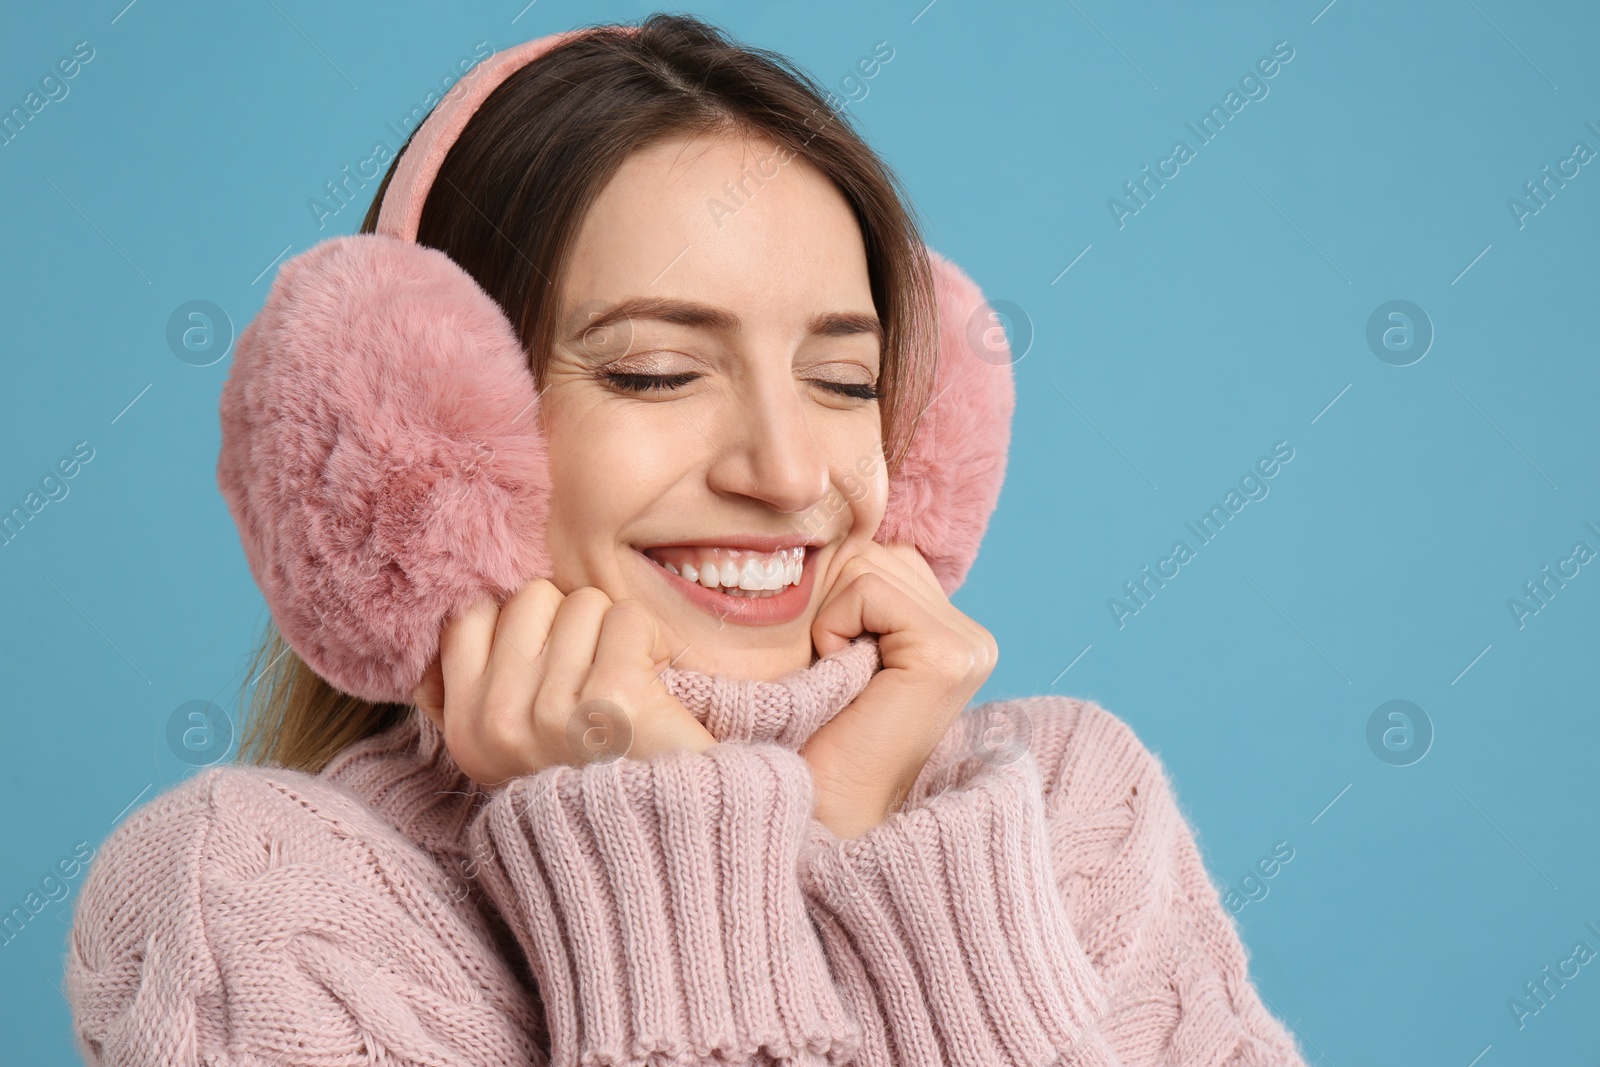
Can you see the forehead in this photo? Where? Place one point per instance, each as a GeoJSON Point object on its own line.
{"type": "Point", "coordinates": [726, 218]}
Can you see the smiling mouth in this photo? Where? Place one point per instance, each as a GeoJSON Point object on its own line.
{"type": "Point", "coordinates": [733, 572]}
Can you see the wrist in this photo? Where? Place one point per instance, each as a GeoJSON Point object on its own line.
{"type": "Point", "coordinates": [850, 816]}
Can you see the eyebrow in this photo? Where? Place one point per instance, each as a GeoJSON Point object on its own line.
{"type": "Point", "coordinates": [709, 317]}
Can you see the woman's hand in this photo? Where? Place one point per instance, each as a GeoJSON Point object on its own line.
{"type": "Point", "coordinates": [547, 679]}
{"type": "Point", "coordinates": [866, 758]}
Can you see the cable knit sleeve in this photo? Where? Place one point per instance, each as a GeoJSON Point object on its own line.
{"type": "Point", "coordinates": [948, 912]}
{"type": "Point", "coordinates": [255, 916]}
{"type": "Point", "coordinates": [659, 907]}
{"type": "Point", "coordinates": [1043, 905]}
{"type": "Point", "coordinates": [1126, 861]}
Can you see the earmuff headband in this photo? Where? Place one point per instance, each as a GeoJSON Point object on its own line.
{"type": "Point", "coordinates": [401, 213]}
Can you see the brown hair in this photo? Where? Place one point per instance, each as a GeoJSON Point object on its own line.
{"type": "Point", "coordinates": [507, 205]}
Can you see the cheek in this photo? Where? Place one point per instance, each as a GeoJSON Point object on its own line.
{"type": "Point", "coordinates": [856, 500]}
{"type": "Point", "coordinates": [860, 474]}
{"type": "Point", "coordinates": [607, 466]}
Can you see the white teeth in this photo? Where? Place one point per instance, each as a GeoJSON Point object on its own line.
{"type": "Point", "coordinates": [738, 572]}
{"type": "Point", "coordinates": [752, 576]}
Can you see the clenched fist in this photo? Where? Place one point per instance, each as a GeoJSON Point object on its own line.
{"type": "Point", "coordinates": [551, 678]}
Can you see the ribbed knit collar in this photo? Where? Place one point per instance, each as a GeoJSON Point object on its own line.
{"type": "Point", "coordinates": [786, 711]}
{"type": "Point", "coordinates": [407, 775]}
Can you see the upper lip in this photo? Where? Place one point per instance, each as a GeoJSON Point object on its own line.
{"type": "Point", "coordinates": [751, 542]}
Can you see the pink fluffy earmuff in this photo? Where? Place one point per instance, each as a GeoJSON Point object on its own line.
{"type": "Point", "coordinates": [382, 453]}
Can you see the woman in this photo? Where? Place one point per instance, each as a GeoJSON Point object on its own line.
{"type": "Point", "coordinates": [704, 794]}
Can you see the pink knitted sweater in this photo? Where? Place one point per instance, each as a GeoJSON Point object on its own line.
{"type": "Point", "coordinates": [1035, 901]}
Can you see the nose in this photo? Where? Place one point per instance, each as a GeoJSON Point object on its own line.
{"type": "Point", "coordinates": [766, 446]}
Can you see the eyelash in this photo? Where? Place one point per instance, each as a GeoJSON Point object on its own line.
{"type": "Point", "coordinates": [642, 383]}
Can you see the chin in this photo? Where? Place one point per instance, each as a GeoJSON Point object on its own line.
{"type": "Point", "coordinates": [716, 651]}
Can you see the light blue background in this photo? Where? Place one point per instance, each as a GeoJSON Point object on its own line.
{"type": "Point", "coordinates": [1229, 314]}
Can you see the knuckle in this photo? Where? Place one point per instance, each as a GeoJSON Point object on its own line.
{"type": "Point", "coordinates": [588, 597]}
{"type": "Point", "coordinates": [540, 589]}
{"type": "Point", "coordinates": [963, 659]}
{"type": "Point", "coordinates": [866, 577]}
{"type": "Point", "coordinates": [601, 703]}
{"type": "Point", "coordinates": [967, 659]}
{"type": "Point", "coordinates": [628, 610]}
{"type": "Point", "coordinates": [988, 649]}
{"type": "Point", "coordinates": [856, 565]}
{"type": "Point", "coordinates": [499, 730]}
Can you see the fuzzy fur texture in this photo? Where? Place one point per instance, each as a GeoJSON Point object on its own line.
{"type": "Point", "coordinates": [941, 498]}
{"type": "Point", "coordinates": [383, 459]}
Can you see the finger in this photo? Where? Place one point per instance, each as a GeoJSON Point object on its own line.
{"type": "Point", "coordinates": [901, 560]}
{"type": "Point", "coordinates": [569, 650]}
{"type": "Point", "coordinates": [520, 635]}
{"type": "Point", "coordinates": [868, 601]}
{"type": "Point", "coordinates": [626, 649]}
{"type": "Point", "coordinates": [875, 602]}
{"type": "Point", "coordinates": [429, 693]}
{"type": "Point", "coordinates": [464, 645]}
{"type": "Point", "coordinates": [877, 559]}
{"type": "Point", "coordinates": [632, 643]}
{"type": "Point", "coordinates": [906, 561]}
{"type": "Point", "coordinates": [914, 561]}
{"type": "Point", "coordinates": [608, 699]}
{"type": "Point", "coordinates": [671, 733]}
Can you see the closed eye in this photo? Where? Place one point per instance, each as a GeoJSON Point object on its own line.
{"type": "Point", "coordinates": [648, 383]}
{"type": "Point", "coordinates": [643, 383]}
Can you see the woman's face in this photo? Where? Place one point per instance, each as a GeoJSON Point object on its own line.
{"type": "Point", "coordinates": [722, 419]}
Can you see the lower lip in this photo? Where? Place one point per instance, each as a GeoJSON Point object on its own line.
{"type": "Point", "coordinates": [786, 606]}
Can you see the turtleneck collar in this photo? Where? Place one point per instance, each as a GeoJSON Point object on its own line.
{"type": "Point", "coordinates": [407, 775]}
{"type": "Point", "coordinates": [786, 711]}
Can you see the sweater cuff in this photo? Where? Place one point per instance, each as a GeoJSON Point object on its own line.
{"type": "Point", "coordinates": [952, 909]}
{"type": "Point", "coordinates": [660, 910]}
